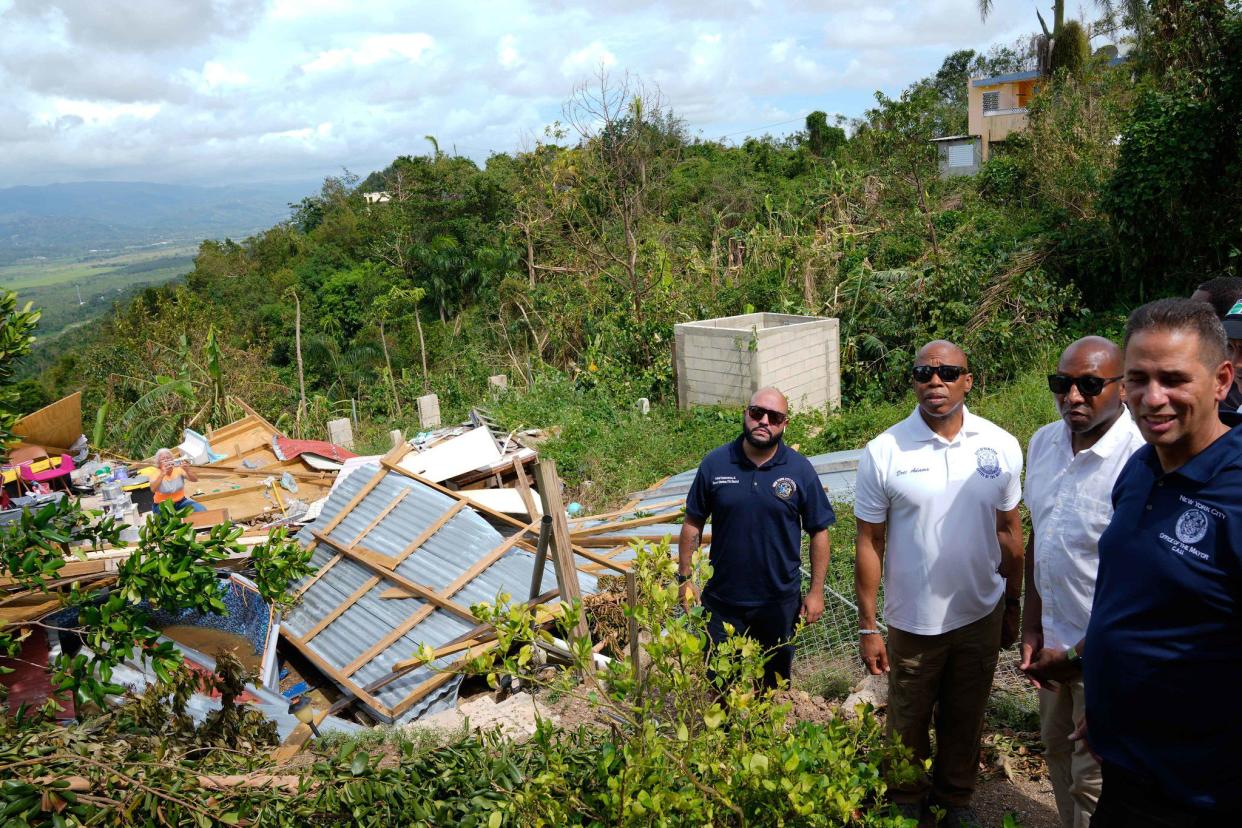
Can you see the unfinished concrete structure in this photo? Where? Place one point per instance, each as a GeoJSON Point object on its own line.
{"type": "Point", "coordinates": [724, 361]}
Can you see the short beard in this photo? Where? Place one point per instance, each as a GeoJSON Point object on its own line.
{"type": "Point", "coordinates": [749, 435]}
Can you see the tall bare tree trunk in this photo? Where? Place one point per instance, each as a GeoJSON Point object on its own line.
{"type": "Point", "coordinates": [297, 344]}
{"type": "Point", "coordinates": [530, 256]}
{"type": "Point", "coordinates": [392, 381]}
{"type": "Point", "coordinates": [422, 349]}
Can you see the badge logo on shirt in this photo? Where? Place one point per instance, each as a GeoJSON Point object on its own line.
{"type": "Point", "coordinates": [785, 488]}
{"type": "Point", "coordinates": [987, 463]}
{"type": "Point", "coordinates": [1191, 526]}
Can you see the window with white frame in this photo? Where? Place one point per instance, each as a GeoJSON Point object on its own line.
{"type": "Point", "coordinates": [961, 155]}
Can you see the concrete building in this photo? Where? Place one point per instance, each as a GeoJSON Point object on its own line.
{"type": "Point", "coordinates": [998, 107]}
{"type": "Point", "coordinates": [724, 361]}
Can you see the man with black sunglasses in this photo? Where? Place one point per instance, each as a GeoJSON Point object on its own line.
{"type": "Point", "coordinates": [761, 496]}
{"type": "Point", "coordinates": [937, 505]}
{"type": "Point", "coordinates": [1071, 465]}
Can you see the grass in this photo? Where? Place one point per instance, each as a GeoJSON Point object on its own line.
{"type": "Point", "coordinates": [53, 284]}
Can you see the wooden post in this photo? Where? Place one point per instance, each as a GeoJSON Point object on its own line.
{"type": "Point", "coordinates": [562, 550]}
{"type": "Point", "coordinates": [541, 555]}
{"type": "Point", "coordinates": [631, 596]}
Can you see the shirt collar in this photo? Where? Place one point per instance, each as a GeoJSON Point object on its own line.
{"type": "Point", "coordinates": [738, 454]}
{"type": "Point", "coordinates": [921, 431]}
{"type": "Point", "coordinates": [1107, 444]}
{"type": "Point", "coordinates": [1225, 452]}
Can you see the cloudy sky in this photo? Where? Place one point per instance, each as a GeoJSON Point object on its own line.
{"type": "Point", "coordinates": [216, 91]}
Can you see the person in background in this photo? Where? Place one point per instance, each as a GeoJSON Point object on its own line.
{"type": "Point", "coordinates": [169, 482]}
{"type": "Point", "coordinates": [1223, 293]}
{"type": "Point", "coordinates": [937, 501]}
{"type": "Point", "coordinates": [1071, 465]}
{"type": "Point", "coordinates": [1163, 657]}
{"type": "Point", "coordinates": [761, 496]}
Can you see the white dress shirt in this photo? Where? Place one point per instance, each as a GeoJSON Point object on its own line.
{"type": "Point", "coordinates": [939, 498]}
{"type": "Point", "coordinates": [1070, 498]}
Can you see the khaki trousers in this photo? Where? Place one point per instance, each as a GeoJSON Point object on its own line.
{"type": "Point", "coordinates": [1075, 775]}
{"type": "Point", "coordinates": [948, 676]}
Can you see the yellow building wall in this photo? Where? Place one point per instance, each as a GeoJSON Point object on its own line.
{"type": "Point", "coordinates": [999, 125]}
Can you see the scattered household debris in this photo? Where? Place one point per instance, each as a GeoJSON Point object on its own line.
{"type": "Point", "coordinates": [402, 544]}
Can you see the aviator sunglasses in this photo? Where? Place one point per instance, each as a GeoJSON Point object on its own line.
{"type": "Point", "coordinates": [948, 373]}
{"type": "Point", "coordinates": [1088, 385]}
{"type": "Point", "coordinates": [758, 412]}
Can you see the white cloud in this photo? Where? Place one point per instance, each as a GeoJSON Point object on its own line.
{"type": "Point", "coordinates": [587, 60]}
{"type": "Point", "coordinates": [507, 53]}
{"type": "Point", "coordinates": [233, 89]}
{"type": "Point", "coordinates": [373, 50]}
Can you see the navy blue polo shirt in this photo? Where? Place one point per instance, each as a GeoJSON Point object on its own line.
{"type": "Point", "coordinates": [757, 514]}
{"type": "Point", "coordinates": [1163, 663]}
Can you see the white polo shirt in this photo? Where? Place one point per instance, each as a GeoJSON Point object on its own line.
{"type": "Point", "coordinates": [1070, 498]}
{"type": "Point", "coordinates": [939, 498]}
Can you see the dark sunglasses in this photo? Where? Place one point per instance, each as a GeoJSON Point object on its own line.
{"type": "Point", "coordinates": [1088, 385]}
{"type": "Point", "coordinates": [758, 412]}
{"type": "Point", "coordinates": [948, 373]}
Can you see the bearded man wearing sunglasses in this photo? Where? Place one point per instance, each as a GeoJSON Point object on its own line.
{"type": "Point", "coordinates": [761, 496]}
{"type": "Point", "coordinates": [1072, 465]}
{"type": "Point", "coordinates": [937, 506]}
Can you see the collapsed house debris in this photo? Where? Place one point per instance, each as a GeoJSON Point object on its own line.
{"type": "Point", "coordinates": [403, 545]}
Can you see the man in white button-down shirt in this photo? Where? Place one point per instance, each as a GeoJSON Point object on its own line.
{"type": "Point", "coordinates": [1071, 467]}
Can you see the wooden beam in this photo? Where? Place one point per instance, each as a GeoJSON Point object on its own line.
{"type": "Point", "coordinates": [426, 534]}
{"type": "Point", "coordinates": [478, 507]}
{"type": "Point", "coordinates": [367, 585]}
{"type": "Point", "coordinates": [393, 636]}
{"type": "Point", "coordinates": [478, 567]}
{"type": "Point", "coordinates": [574, 523]}
{"type": "Point", "coordinates": [336, 675]}
{"type": "Point", "coordinates": [562, 550]}
{"type": "Point", "coordinates": [619, 526]}
{"type": "Point", "coordinates": [605, 542]}
{"type": "Point", "coordinates": [396, 501]}
{"type": "Point", "coordinates": [523, 487]}
{"type": "Point", "coordinates": [376, 563]}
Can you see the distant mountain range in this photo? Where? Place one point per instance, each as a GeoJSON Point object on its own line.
{"type": "Point", "coordinates": [97, 216]}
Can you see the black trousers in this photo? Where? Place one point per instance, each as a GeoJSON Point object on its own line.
{"type": "Point", "coordinates": [1128, 801]}
{"type": "Point", "coordinates": [771, 625]}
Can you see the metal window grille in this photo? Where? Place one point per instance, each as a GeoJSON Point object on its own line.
{"type": "Point", "coordinates": [991, 102]}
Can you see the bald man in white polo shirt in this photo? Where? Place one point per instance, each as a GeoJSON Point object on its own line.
{"type": "Point", "coordinates": [937, 506]}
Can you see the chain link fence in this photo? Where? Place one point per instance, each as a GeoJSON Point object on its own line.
{"type": "Point", "coordinates": [827, 663]}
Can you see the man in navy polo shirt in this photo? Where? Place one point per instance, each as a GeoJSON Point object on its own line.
{"type": "Point", "coordinates": [1163, 656]}
{"type": "Point", "coordinates": [760, 495]}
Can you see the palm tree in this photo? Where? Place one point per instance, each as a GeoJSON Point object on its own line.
{"type": "Point", "coordinates": [1131, 12]}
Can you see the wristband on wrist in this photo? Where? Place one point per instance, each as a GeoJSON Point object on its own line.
{"type": "Point", "coordinates": [1072, 656]}
{"type": "Point", "coordinates": [681, 579]}
{"type": "Point", "coordinates": [869, 632]}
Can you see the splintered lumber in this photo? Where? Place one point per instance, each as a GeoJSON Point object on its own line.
{"type": "Point", "coordinates": [562, 551]}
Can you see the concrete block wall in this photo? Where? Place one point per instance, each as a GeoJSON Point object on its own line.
{"type": "Point", "coordinates": [724, 361]}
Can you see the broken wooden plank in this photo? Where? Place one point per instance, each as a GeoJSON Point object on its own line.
{"type": "Point", "coordinates": [561, 548]}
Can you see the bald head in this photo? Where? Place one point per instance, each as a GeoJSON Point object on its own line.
{"type": "Point", "coordinates": [771, 397]}
{"type": "Point", "coordinates": [1087, 362]}
{"type": "Point", "coordinates": [948, 353]}
{"type": "Point", "coordinates": [1095, 354]}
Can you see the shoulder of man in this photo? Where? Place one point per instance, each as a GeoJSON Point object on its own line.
{"type": "Point", "coordinates": [1043, 438]}
{"type": "Point", "coordinates": [987, 428]}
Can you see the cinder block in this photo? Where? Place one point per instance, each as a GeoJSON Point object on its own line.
{"type": "Point", "coordinates": [429, 411]}
{"type": "Point", "coordinates": [341, 433]}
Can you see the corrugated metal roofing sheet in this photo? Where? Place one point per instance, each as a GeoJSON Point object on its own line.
{"type": "Point", "coordinates": [442, 559]}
